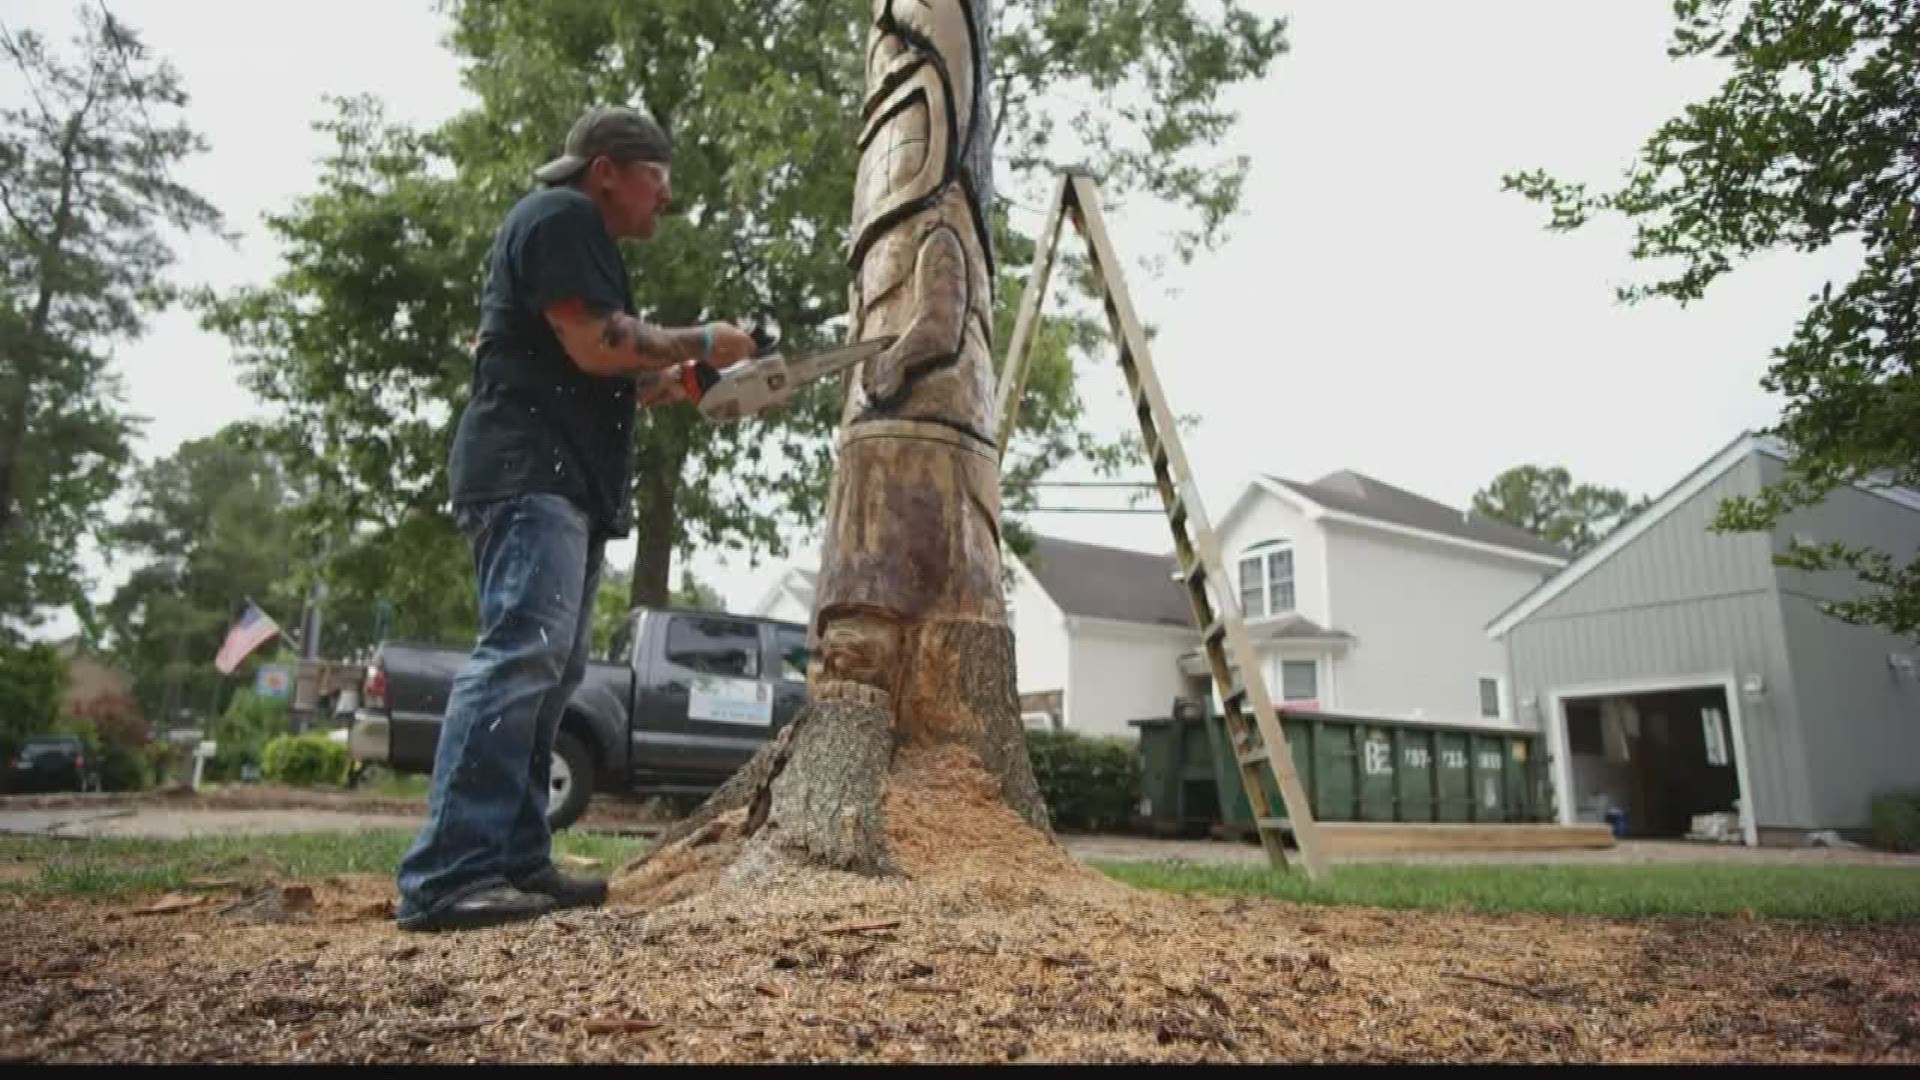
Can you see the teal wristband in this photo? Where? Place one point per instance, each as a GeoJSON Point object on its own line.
{"type": "Point", "coordinates": [706, 343]}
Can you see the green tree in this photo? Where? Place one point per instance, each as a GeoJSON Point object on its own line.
{"type": "Point", "coordinates": [1809, 142]}
{"type": "Point", "coordinates": [32, 677]}
{"type": "Point", "coordinates": [86, 160]}
{"type": "Point", "coordinates": [693, 593]}
{"type": "Point", "coordinates": [362, 342]}
{"type": "Point", "coordinates": [241, 732]}
{"type": "Point", "coordinates": [209, 527]}
{"type": "Point", "coordinates": [116, 736]}
{"type": "Point", "coordinates": [1547, 503]}
{"type": "Point", "coordinates": [611, 603]}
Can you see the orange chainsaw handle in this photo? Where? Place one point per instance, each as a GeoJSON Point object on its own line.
{"type": "Point", "coordinates": [697, 377]}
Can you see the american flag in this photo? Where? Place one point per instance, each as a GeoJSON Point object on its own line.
{"type": "Point", "coordinates": [252, 628]}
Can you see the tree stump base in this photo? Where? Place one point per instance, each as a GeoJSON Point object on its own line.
{"type": "Point", "coordinates": [941, 822]}
{"type": "Point", "coordinates": [863, 782]}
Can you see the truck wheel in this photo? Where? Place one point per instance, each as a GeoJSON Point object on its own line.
{"type": "Point", "coordinates": [570, 781]}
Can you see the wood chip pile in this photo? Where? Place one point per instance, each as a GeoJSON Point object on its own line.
{"type": "Point", "coordinates": [995, 946]}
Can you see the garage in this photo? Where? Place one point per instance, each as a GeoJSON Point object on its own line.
{"type": "Point", "coordinates": [1654, 763]}
{"type": "Point", "coordinates": [1681, 677]}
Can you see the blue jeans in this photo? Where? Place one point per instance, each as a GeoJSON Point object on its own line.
{"type": "Point", "coordinates": [537, 565]}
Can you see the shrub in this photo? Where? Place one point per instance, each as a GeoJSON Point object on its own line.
{"type": "Point", "coordinates": [116, 738]}
{"type": "Point", "coordinates": [241, 733]}
{"type": "Point", "coordinates": [1896, 821]}
{"type": "Point", "coordinates": [124, 768]}
{"type": "Point", "coordinates": [161, 760]}
{"type": "Point", "coordinates": [1089, 783]}
{"type": "Point", "coordinates": [32, 677]}
{"type": "Point", "coordinates": [305, 759]}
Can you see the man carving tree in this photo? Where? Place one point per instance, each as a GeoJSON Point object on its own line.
{"type": "Point", "coordinates": [911, 682]}
{"type": "Point", "coordinates": [539, 478]}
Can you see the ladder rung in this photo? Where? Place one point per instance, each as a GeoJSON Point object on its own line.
{"type": "Point", "coordinates": [1197, 554]}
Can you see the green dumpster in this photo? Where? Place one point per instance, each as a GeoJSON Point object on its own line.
{"type": "Point", "coordinates": [1177, 783]}
{"type": "Point", "coordinates": [1368, 769]}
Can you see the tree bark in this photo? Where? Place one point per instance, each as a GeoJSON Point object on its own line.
{"type": "Point", "coordinates": [911, 647]}
{"type": "Point", "coordinates": [656, 494]}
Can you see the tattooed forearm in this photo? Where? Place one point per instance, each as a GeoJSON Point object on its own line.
{"type": "Point", "coordinates": [609, 342]}
{"type": "Point", "coordinates": [649, 348]}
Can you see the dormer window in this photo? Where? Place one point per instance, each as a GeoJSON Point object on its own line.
{"type": "Point", "coordinates": [1266, 579]}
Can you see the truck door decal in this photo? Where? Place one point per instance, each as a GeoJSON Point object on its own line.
{"type": "Point", "coordinates": [730, 701]}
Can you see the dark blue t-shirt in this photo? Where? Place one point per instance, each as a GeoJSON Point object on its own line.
{"type": "Point", "coordinates": [535, 421]}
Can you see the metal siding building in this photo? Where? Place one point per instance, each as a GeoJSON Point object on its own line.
{"type": "Point", "coordinates": [1857, 703]}
{"type": "Point", "coordinates": [1823, 716]}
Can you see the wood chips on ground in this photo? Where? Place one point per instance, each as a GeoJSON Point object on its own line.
{"type": "Point", "coordinates": [995, 946]}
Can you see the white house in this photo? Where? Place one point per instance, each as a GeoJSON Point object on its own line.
{"type": "Point", "coordinates": [1098, 636]}
{"type": "Point", "coordinates": [1098, 633]}
{"type": "Point", "coordinates": [1361, 598]}
{"type": "Point", "coordinates": [1366, 599]}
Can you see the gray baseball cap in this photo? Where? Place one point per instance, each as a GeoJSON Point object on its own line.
{"type": "Point", "coordinates": [622, 134]}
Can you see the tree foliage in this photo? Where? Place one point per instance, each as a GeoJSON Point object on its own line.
{"type": "Point", "coordinates": [209, 528]}
{"type": "Point", "coordinates": [1547, 503]}
{"type": "Point", "coordinates": [361, 344]}
{"type": "Point", "coordinates": [1812, 141]}
{"type": "Point", "coordinates": [241, 733]}
{"type": "Point", "coordinates": [32, 677]}
{"type": "Point", "coordinates": [86, 160]}
{"type": "Point", "coordinates": [611, 606]}
{"type": "Point", "coordinates": [116, 735]}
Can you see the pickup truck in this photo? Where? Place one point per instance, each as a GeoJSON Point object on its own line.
{"type": "Point", "coordinates": [681, 700]}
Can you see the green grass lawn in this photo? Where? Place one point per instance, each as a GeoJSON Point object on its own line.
{"type": "Point", "coordinates": [1831, 893]}
{"type": "Point", "coordinates": [116, 867]}
{"type": "Point", "coordinates": [407, 786]}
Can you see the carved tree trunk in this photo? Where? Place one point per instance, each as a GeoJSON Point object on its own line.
{"type": "Point", "coordinates": [912, 652]}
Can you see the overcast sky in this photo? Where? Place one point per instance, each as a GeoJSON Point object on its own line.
{"type": "Point", "coordinates": [1381, 305]}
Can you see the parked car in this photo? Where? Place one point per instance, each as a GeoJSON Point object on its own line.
{"type": "Point", "coordinates": [681, 701]}
{"type": "Point", "coordinates": [49, 763]}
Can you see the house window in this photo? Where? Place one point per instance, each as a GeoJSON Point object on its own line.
{"type": "Point", "coordinates": [1490, 699]}
{"type": "Point", "coordinates": [1299, 680]}
{"type": "Point", "coordinates": [1253, 586]}
{"type": "Point", "coordinates": [1266, 581]}
{"type": "Point", "coordinates": [1280, 581]}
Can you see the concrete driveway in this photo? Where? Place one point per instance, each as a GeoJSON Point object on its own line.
{"type": "Point", "coordinates": [166, 824]}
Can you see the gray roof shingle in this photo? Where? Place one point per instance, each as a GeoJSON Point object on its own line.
{"type": "Point", "coordinates": [1363, 496]}
{"type": "Point", "coordinates": [1109, 583]}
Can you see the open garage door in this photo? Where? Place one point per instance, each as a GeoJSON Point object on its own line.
{"type": "Point", "coordinates": [1661, 761]}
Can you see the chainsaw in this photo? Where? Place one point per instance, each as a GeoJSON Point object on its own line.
{"type": "Point", "coordinates": [769, 378]}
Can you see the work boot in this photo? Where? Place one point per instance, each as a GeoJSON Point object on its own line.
{"type": "Point", "coordinates": [487, 907]}
{"type": "Point", "coordinates": [565, 891]}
